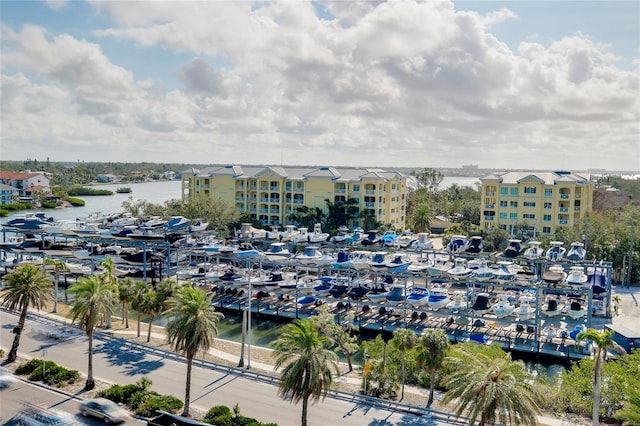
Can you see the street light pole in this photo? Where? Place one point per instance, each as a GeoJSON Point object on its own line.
{"type": "Point", "coordinates": [366, 369]}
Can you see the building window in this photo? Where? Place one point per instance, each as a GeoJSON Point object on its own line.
{"type": "Point", "coordinates": [546, 218]}
{"type": "Point", "coordinates": [513, 204]}
{"type": "Point", "coordinates": [513, 216]}
{"type": "Point", "coordinates": [355, 188]}
{"type": "Point", "coordinates": [548, 192]}
{"type": "Point", "coordinates": [529, 189]}
{"type": "Point", "coordinates": [529, 203]}
{"type": "Point", "coordinates": [546, 230]}
{"type": "Point", "coordinates": [503, 204]}
{"type": "Point", "coordinates": [514, 191]}
{"type": "Point", "coordinates": [504, 191]}
{"type": "Point", "coordinates": [528, 216]}
{"type": "Point", "coordinates": [548, 206]}
{"type": "Point", "coordinates": [503, 216]}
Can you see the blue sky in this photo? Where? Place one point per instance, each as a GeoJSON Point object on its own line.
{"type": "Point", "coordinates": [513, 84]}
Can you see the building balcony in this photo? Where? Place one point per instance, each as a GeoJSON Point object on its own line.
{"type": "Point", "coordinates": [489, 206]}
{"type": "Point", "coordinates": [576, 208]}
{"type": "Point", "coordinates": [370, 191]}
{"type": "Point", "coordinates": [274, 200]}
{"type": "Point", "coordinates": [264, 199]}
{"type": "Point", "coordinates": [298, 201]}
{"type": "Point", "coordinates": [204, 186]}
{"type": "Point", "coordinates": [274, 188]}
{"type": "Point", "coordinates": [370, 204]}
{"type": "Point", "coordinates": [340, 191]}
{"type": "Point", "coordinates": [264, 188]}
{"type": "Point", "coordinates": [241, 199]}
{"type": "Point", "coordinates": [564, 196]}
{"type": "Point", "coordinates": [490, 218]}
{"type": "Point", "coordinates": [564, 209]}
{"type": "Point", "coordinates": [264, 210]}
{"type": "Point", "coordinates": [490, 194]}
{"type": "Point", "coordinates": [274, 211]}
{"type": "Point", "coordinates": [563, 222]}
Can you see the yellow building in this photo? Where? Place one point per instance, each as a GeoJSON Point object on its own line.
{"type": "Point", "coordinates": [541, 202]}
{"type": "Point", "coordinates": [270, 194]}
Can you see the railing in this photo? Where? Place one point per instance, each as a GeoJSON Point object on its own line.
{"type": "Point", "coordinates": [576, 208]}
{"type": "Point", "coordinates": [564, 209]}
{"type": "Point", "coordinates": [489, 206]}
{"type": "Point", "coordinates": [564, 222]}
{"type": "Point", "coordinates": [340, 191]}
{"type": "Point", "coordinates": [370, 191]}
{"type": "Point", "coordinates": [490, 193]}
{"type": "Point", "coordinates": [564, 196]}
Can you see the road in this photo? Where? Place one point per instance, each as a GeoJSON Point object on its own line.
{"type": "Point", "coordinates": [116, 361]}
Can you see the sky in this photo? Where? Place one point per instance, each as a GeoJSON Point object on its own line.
{"type": "Point", "coordinates": [540, 85]}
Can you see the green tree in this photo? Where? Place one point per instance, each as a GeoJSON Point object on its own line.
{"type": "Point", "coordinates": [340, 333]}
{"type": "Point", "coordinates": [192, 325]}
{"type": "Point", "coordinates": [108, 276]}
{"type": "Point", "coordinates": [126, 293]}
{"type": "Point", "coordinates": [630, 412]}
{"type": "Point", "coordinates": [429, 178]}
{"type": "Point", "coordinates": [155, 302]}
{"type": "Point", "coordinates": [27, 286]}
{"type": "Point", "coordinates": [92, 301]}
{"type": "Point", "coordinates": [341, 213]}
{"type": "Point", "coordinates": [307, 217]}
{"type": "Point", "coordinates": [307, 363]}
{"type": "Point", "coordinates": [403, 340]}
{"type": "Point", "coordinates": [421, 218]}
{"type": "Point", "coordinates": [603, 340]}
{"type": "Point", "coordinates": [491, 387]}
{"type": "Point", "coordinates": [138, 297]}
{"type": "Point", "coordinates": [433, 346]}
{"type": "Point", "coordinates": [59, 266]}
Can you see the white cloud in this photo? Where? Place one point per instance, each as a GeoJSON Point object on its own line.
{"type": "Point", "coordinates": [400, 83]}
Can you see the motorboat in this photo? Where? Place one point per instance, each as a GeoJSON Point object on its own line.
{"type": "Point", "coordinates": [418, 297]}
{"type": "Point", "coordinates": [177, 223]}
{"type": "Point", "coordinates": [423, 242]}
{"type": "Point", "coordinates": [576, 309]}
{"type": "Point", "coordinates": [514, 248]}
{"type": "Point", "coordinates": [289, 233]}
{"type": "Point", "coordinates": [458, 302]}
{"type": "Point", "coordinates": [504, 271]}
{"type": "Point", "coordinates": [552, 306]}
{"type": "Point", "coordinates": [198, 225]}
{"type": "Point", "coordinates": [361, 260]}
{"type": "Point", "coordinates": [554, 274]}
{"type": "Point", "coordinates": [397, 293]}
{"type": "Point", "coordinates": [476, 245]}
{"type": "Point", "coordinates": [576, 276]}
{"type": "Point", "coordinates": [503, 307]}
{"type": "Point", "coordinates": [152, 222]}
{"type": "Point", "coordinates": [577, 252]}
{"type": "Point", "coordinates": [372, 238]}
{"type": "Point", "coordinates": [397, 264]}
{"type": "Point", "coordinates": [439, 266]}
{"type": "Point", "coordinates": [277, 252]}
{"type": "Point", "coordinates": [248, 231]}
{"type": "Point", "coordinates": [481, 303]}
{"type": "Point", "coordinates": [388, 238]}
{"type": "Point", "coordinates": [438, 297]}
{"type": "Point", "coordinates": [317, 236]}
{"type": "Point", "coordinates": [460, 269]}
{"type": "Point", "coordinates": [309, 256]}
{"type": "Point", "coordinates": [482, 272]}
{"type": "Point", "coordinates": [597, 279]}
{"type": "Point", "coordinates": [533, 250]}
{"type": "Point", "coordinates": [556, 252]}
{"type": "Point", "coordinates": [526, 309]}
{"type": "Point", "coordinates": [306, 301]}
{"type": "Point", "coordinates": [404, 240]}
{"type": "Point", "coordinates": [457, 244]}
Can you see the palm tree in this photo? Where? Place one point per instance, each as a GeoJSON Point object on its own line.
{"type": "Point", "coordinates": [421, 218]}
{"type": "Point", "coordinates": [155, 302]}
{"type": "Point", "coordinates": [108, 276]}
{"type": "Point", "coordinates": [93, 301]}
{"type": "Point", "coordinates": [603, 341]}
{"type": "Point", "coordinates": [59, 266]}
{"type": "Point", "coordinates": [192, 326]}
{"type": "Point", "coordinates": [126, 292]}
{"type": "Point", "coordinates": [433, 345]}
{"type": "Point", "coordinates": [491, 387]}
{"type": "Point", "coordinates": [28, 285]}
{"type": "Point", "coordinates": [140, 289]}
{"type": "Point", "coordinates": [403, 340]}
{"type": "Point", "coordinates": [307, 362]}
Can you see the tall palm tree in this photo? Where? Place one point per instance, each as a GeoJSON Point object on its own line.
{"type": "Point", "coordinates": [421, 218]}
{"type": "Point", "coordinates": [604, 342]}
{"type": "Point", "coordinates": [126, 292]}
{"type": "Point", "coordinates": [140, 289]}
{"type": "Point", "coordinates": [307, 362]}
{"type": "Point", "coordinates": [403, 340]}
{"type": "Point", "coordinates": [491, 387]}
{"type": "Point", "coordinates": [192, 325]}
{"type": "Point", "coordinates": [433, 346]}
{"type": "Point", "coordinates": [92, 301]}
{"type": "Point", "coordinates": [27, 286]}
{"type": "Point", "coordinates": [108, 276]}
{"type": "Point", "coordinates": [59, 266]}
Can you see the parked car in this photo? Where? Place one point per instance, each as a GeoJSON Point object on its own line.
{"type": "Point", "coordinates": [104, 409]}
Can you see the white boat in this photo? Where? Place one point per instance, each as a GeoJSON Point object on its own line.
{"type": "Point", "coordinates": [317, 236]}
{"type": "Point", "coordinates": [289, 233]}
{"type": "Point", "coordinates": [311, 255]}
{"type": "Point", "coordinates": [277, 252]}
{"type": "Point", "coordinates": [503, 307]}
{"type": "Point", "coordinates": [198, 225]}
{"type": "Point", "coordinates": [423, 242]}
{"type": "Point", "coordinates": [418, 297]}
{"type": "Point", "coordinates": [552, 306]}
{"type": "Point", "coordinates": [513, 249]}
{"type": "Point", "coordinates": [482, 272]}
{"type": "Point", "coordinates": [554, 274]}
{"type": "Point", "coordinates": [526, 309]}
{"type": "Point", "coordinates": [361, 260]}
{"type": "Point", "coordinates": [576, 252]}
{"type": "Point", "coordinates": [457, 244]}
{"type": "Point", "coordinates": [533, 251]}
{"type": "Point", "coordinates": [556, 252]}
{"type": "Point", "coordinates": [576, 276]}
{"type": "Point", "coordinates": [397, 293]}
{"type": "Point", "coordinates": [460, 270]}
{"type": "Point", "coordinates": [438, 297]}
{"type": "Point", "coordinates": [248, 231]}
{"type": "Point", "coordinates": [458, 302]}
{"type": "Point", "coordinates": [576, 309]}
{"type": "Point", "coordinates": [504, 271]}
{"type": "Point", "coordinates": [439, 265]}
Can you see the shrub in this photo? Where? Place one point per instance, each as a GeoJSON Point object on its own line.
{"type": "Point", "coordinates": [77, 202]}
{"type": "Point", "coordinates": [154, 402]}
{"type": "Point", "coordinates": [4, 212]}
{"type": "Point", "coordinates": [53, 373]}
{"type": "Point", "coordinates": [49, 204]}
{"type": "Point", "coordinates": [124, 393]}
{"type": "Point", "coordinates": [216, 413]}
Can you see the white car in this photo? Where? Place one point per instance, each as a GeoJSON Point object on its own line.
{"type": "Point", "coordinates": [6, 378]}
{"type": "Point", "coordinates": [104, 409]}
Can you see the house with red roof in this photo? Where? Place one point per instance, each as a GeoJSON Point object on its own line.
{"type": "Point", "coordinates": [22, 185]}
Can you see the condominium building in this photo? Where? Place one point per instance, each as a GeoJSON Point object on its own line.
{"type": "Point", "coordinates": [270, 194]}
{"type": "Point", "coordinates": [540, 202]}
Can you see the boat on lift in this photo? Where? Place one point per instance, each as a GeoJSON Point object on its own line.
{"type": "Point", "coordinates": [556, 252]}
{"type": "Point", "coordinates": [577, 252]}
